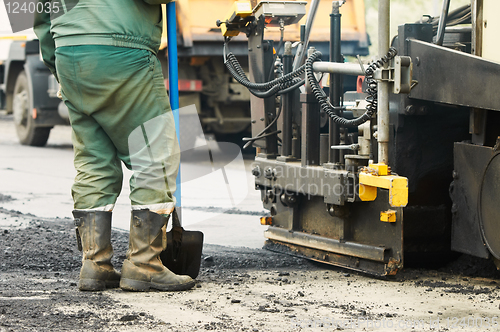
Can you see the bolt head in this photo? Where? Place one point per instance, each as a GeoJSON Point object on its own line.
{"type": "Point", "coordinates": [410, 110]}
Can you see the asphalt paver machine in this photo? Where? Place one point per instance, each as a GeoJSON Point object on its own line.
{"type": "Point", "coordinates": [406, 166]}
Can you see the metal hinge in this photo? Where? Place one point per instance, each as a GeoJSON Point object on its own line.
{"type": "Point", "coordinates": [399, 74]}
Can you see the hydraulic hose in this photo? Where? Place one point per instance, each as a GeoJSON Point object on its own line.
{"type": "Point", "coordinates": [372, 90]}
{"type": "Point", "coordinates": [280, 85]}
{"type": "Point", "coordinates": [239, 75]}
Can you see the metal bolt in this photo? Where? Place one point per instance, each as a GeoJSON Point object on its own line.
{"type": "Point", "coordinates": [331, 211]}
{"type": "Point", "coordinates": [410, 110]}
{"type": "Point", "coordinates": [268, 173]}
{"type": "Point", "coordinates": [256, 171]}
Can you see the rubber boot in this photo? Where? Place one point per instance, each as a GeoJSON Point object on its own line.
{"type": "Point", "coordinates": [143, 269]}
{"type": "Point", "coordinates": [94, 236]}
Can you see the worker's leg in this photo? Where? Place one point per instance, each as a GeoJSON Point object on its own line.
{"type": "Point", "coordinates": [135, 114]}
{"type": "Point", "coordinates": [123, 91]}
{"type": "Point", "coordinates": [99, 174]}
{"type": "Point", "coordinates": [98, 181]}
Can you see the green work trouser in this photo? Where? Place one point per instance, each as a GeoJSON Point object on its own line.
{"type": "Point", "coordinates": [119, 111]}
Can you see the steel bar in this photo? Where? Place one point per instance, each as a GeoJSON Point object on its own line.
{"type": "Point", "coordinates": [301, 51]}
{"type": "Point", "coordinates": [287, 104]}
{"type": "Point", "coordinates": [374, 253]}
{"type": "Point", "coordinates": [225, 120]}
{"type": "Point", "coordinates": [343, 68]}
{"type": "Point", "coordinates": [442, 22]}
{"type": "Point", "coordinates": [441, 82]}
{"type": "Point", "coordinates": [310, 126]}
{"type": "Point", "coordinates": [335, 80]}
{"type": "Point", "coordinates": [383, 87]}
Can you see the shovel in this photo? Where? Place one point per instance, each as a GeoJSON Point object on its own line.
{"type": "Point", "coordinates": [184, 248]}
{"type": "Point", "coordinates": [183, 253]}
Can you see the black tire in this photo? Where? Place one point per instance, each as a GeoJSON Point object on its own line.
{"type": "Point", "coordinates": [22, 106]}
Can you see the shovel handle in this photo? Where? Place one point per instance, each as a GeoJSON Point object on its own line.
{"type": "Point", "coordinates": [175, 219]}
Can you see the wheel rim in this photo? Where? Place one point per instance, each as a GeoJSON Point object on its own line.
{"type": "Point", "coordinates": [20, 108]}
{"type": "Point", "coordinates": [488, 206]}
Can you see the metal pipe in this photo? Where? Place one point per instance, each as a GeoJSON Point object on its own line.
{"type": "Point", "coordinates": [345, 147]}
{"type": "Point", "coordinates": [477, 20]}
{"type": "Point", "coordinates": [442, 22]}
{"type": "Point", "coordinates": [324, 151]}
{"type": "Point", "coordinates": [458, 30]}
{"type": "Point", "coordinates": [301, 51]}
{"type": "Point", "coordinates": [173, 81]}
{"type": "Point", "coordinates": [225, 120]}
{"type": "Point", "coordinates": [343, 68]}
{"type": "Point", "coordinates": [310, 126]}
{"type": "Point", "coordinates": [383, 86]}
{"type": "Point", "coordinates": [334, 156]}
{"type": "Point", "coordinates": [287, 101]}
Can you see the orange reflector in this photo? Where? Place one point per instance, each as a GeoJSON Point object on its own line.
{"type": "Point", "coordinates": [266, 220]}
{"type": "Point", "coordinates": [359, 84]}
{"type": "Point", "coordinates": [388, 216]}
{"type": "Point", "coordinates": [34, 113]}
{"type": "Point", "coordinates": [188, 85]}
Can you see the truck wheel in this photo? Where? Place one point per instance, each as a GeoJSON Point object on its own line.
{"type": "Point", "coordinates": [27, 131]}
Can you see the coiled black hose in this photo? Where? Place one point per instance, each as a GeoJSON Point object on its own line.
{"type": "Point", "coordinates": [262, 90]}
{"type": "Point", "coordinates": [371, 83]}
{"type": "Point", "coordinates": [372, 90]}
{"type": "Point", "coordinates": [281, 85]}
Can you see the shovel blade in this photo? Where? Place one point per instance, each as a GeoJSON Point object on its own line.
{"type": "Point", "coordinates": [184, 258]}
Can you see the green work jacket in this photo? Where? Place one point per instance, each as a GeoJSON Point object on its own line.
{"type": "Point", "coordinates": [125, 23]}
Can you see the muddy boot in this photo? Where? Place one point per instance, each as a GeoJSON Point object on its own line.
{"type": "Point", "coordinates": [143, 269]}
{"type": "Point", "coordinates": [94, 232]}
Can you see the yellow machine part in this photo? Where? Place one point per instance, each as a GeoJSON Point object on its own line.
{"type": "Point", "coordinates": [388, 216]}
{"type": "Point", "coordinates": [376, 176]}
{"type": "Point", "coordinates": [196, 21]}
{"type": "Point", "coordinates": [239, 9]}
